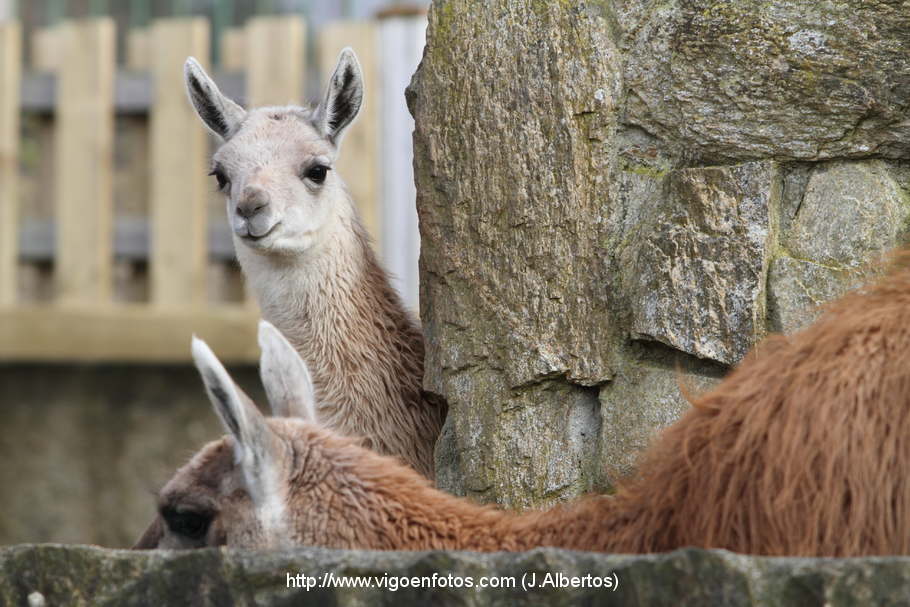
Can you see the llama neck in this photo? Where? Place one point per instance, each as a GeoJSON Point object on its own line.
{"type": "Point", "coordinates": [364, 350]}
{"type": "Point", "coordinates": [422, 518]}
{"type": "Point", "coordinates": [586, 524]}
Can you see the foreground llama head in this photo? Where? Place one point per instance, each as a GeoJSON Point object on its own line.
{"type": "Point", "coordinates": [276, 163]}
{"type": "Point", "coordinates": [273, 482]}
{"type": "Point", "coordinates": [234, 491]}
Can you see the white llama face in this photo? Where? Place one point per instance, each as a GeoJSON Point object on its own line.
{"type": "Point", "coordinates": [277, 173]}
{"type": "Point", "coordinates": [276, 165]}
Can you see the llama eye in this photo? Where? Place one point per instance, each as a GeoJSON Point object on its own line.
{"type": "Point", "coordinates": [316, 173]}
{"type": "Point", "coordinates": [193, 525]}
{"type": "Point", "coordinates": [221, 178]}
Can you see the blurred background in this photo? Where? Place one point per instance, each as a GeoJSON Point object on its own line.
{"type": "Point", "coordinates": [114, 247]}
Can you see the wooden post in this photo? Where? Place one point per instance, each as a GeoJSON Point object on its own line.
{"type": "Point", "coordinates": [274, 65]}
{"type": "Point", "coordinates": [358, 163]}
{"type": "Point", "coordinates": [7, 10]}
{"type": "Point", "coordinates": [402, 40]}
{"type": "Point", "coordinates": [233, 49]}
{"type": "Point", "coordinates": [275, 60]}
{"type": "Point", "coordinates": [137, 49]}
{"type": "Point", "coordinates": [179, 153]}
{"type": "Point", "coordinates": [10, 57]}
{"type": "Point", "coordinates": [45, 46]}
{"type": "Point", "coordinates": [83, 161]}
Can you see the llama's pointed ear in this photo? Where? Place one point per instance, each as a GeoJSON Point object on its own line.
{"type": "Point", "coordinates": [255, 444]}
{"type": "Point", "coordinates": [221, 115]}
{"type": "Point", "coordinates": [343, 97]}
{"type": "Point", "coordinates": [285, 376]}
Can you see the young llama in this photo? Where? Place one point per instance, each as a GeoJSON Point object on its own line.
{"type": "Point", "coordinates": [309, 262]}
{"type": "Point", "coordinates": [801, 450]}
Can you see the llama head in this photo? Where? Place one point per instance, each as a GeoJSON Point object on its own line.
{"type": "Point", "coordinates": [275, 165]}
{"type": "Point", "coordinates": [271, 482]}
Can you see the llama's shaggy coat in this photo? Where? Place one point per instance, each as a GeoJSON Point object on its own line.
{"type": "Point", "coordinates": [799, 451]}
{"type": "Point", "coordinates": [364, 349]}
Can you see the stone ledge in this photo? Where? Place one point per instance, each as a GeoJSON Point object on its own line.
{"type": "Point", "coordinates": [87, 575]}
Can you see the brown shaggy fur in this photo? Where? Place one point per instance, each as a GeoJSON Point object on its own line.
{"type": "Point", "coordinates": [799, 451]}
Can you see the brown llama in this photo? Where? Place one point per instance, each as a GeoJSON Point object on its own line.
{"type": "Point", "coordinates": [799, 451]}
{"type": "Point", "coordinates": [309, 262]}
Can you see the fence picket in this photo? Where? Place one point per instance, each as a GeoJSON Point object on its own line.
{"type": "Point", "coordinates": [401, 48]}
{"type": "Point", "coordinates": [45, 47]}
{"type": "Point", "coordinates": [138, 56]}
{"type": "Point", "coordinates": [233, 49]}
{"type": "Point", "coordinates": [359, 160]}
{"type": "Point", "coordinates": [178, 157]}
{"type": "Point", "coordinates": [275, 60]}
{"type": "Point", "coordinates": [10, 58]}
{"type": "Point", "coordinates": [83, 166]}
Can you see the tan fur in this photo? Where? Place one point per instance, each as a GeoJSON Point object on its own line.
{"type": "Point", "coordinates": [364, 350]}
{"type": "Point", "coordinates": [800, 451]}
{"type": "Point", "coordinates": [312, 268]}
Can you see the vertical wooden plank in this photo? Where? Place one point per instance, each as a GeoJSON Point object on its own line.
{"type": "Point", "coordinates": [233, 49]}
{"type": "Point", "coordinates": [137, 49]}
{"type": "Point", "coordinates": [45, 47]}
{"type": "Point", "coordinates": [401, 44]}
{"type": "Point", "coordinates": [275, 60]}
{"type": "Point", "coordinates": [179, 153]}
{"type": "Point", "coordinates": [10, 58]}
{"type": "Point", "coordinates": [275, 65]}
{"type": "Point", "coordinates": [83, 161]}
{"type": "Point", "coordinates": [358, 163]}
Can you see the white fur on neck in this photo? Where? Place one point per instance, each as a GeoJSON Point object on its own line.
{"type": "Point", "coordinates": [313, 284]}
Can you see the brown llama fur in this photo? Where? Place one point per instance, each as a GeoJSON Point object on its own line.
{"type": "Point", "coordinates": [799, 451]}
{"type": "Point", "coordinates": [309, 262]}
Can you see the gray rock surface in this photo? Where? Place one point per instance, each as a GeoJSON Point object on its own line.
{"type": "Point", "coordinates": [849, 212]}
{"type": "Point", "coordinates": [645, 396]}
{"type": "Point", "coordinates": [606, 187]}
{"type": "Point", "coordinates": [784, 79]}
{"type": "Point", "coordinates": [697, 278]}
{"type": "Point", "coordinates": [80, 576]}
{"type": "Point", "coordinates": [512, 208]}
{"type": "Point", "coordinates": [797, 289]}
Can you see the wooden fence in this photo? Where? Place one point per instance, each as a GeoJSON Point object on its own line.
{"type": "Point", "coordinates": [73, 76]}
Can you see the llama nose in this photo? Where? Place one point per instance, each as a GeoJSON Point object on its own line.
{"type": "Point", "coordinates": [252, 202]}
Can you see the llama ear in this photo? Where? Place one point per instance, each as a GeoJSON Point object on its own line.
{"type": "Point", "coordinates": [343, 97]}
{"type": "Point", "coordinates": [221, 115]}
{"type": "Point", "coordinates": [285, 376]}
{"type": "Point", "coordinates": [151, 537]}
{"type": "Point", "coordinates": [256, 447]}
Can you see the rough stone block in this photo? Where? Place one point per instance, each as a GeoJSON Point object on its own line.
{"type": "Point", "coordinates": [696, 280]}
{"type": "Point", "coordinates": [785, 79]}
{"type": "Point", "coordinates": [849, 213]}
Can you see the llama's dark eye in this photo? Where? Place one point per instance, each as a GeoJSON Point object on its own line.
{"type": "Point", "coordinates": [316, 173]}
{"type": "Point", "coordinates": [187, 523]}
{"type": "Point", "coordinates": [223, 182]}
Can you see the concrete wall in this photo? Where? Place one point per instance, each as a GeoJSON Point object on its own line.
{"type": "Point", "coordinates": [83, 448]}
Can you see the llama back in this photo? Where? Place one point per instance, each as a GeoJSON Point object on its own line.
{"type": "Point", "coordinates": [800, 451]}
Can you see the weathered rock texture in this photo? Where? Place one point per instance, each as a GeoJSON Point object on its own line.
{"type": "Point", "coordinates": [86, 576]}
{"type": "Point", "coordinates": [615, 196]}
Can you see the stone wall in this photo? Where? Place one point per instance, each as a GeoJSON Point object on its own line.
{"type": "Point", "coordinates": [83, 449]}
{"type": "Point", "coordinates": [617, 196]}
{"type": "Point", "coordinates": [85, 576]}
